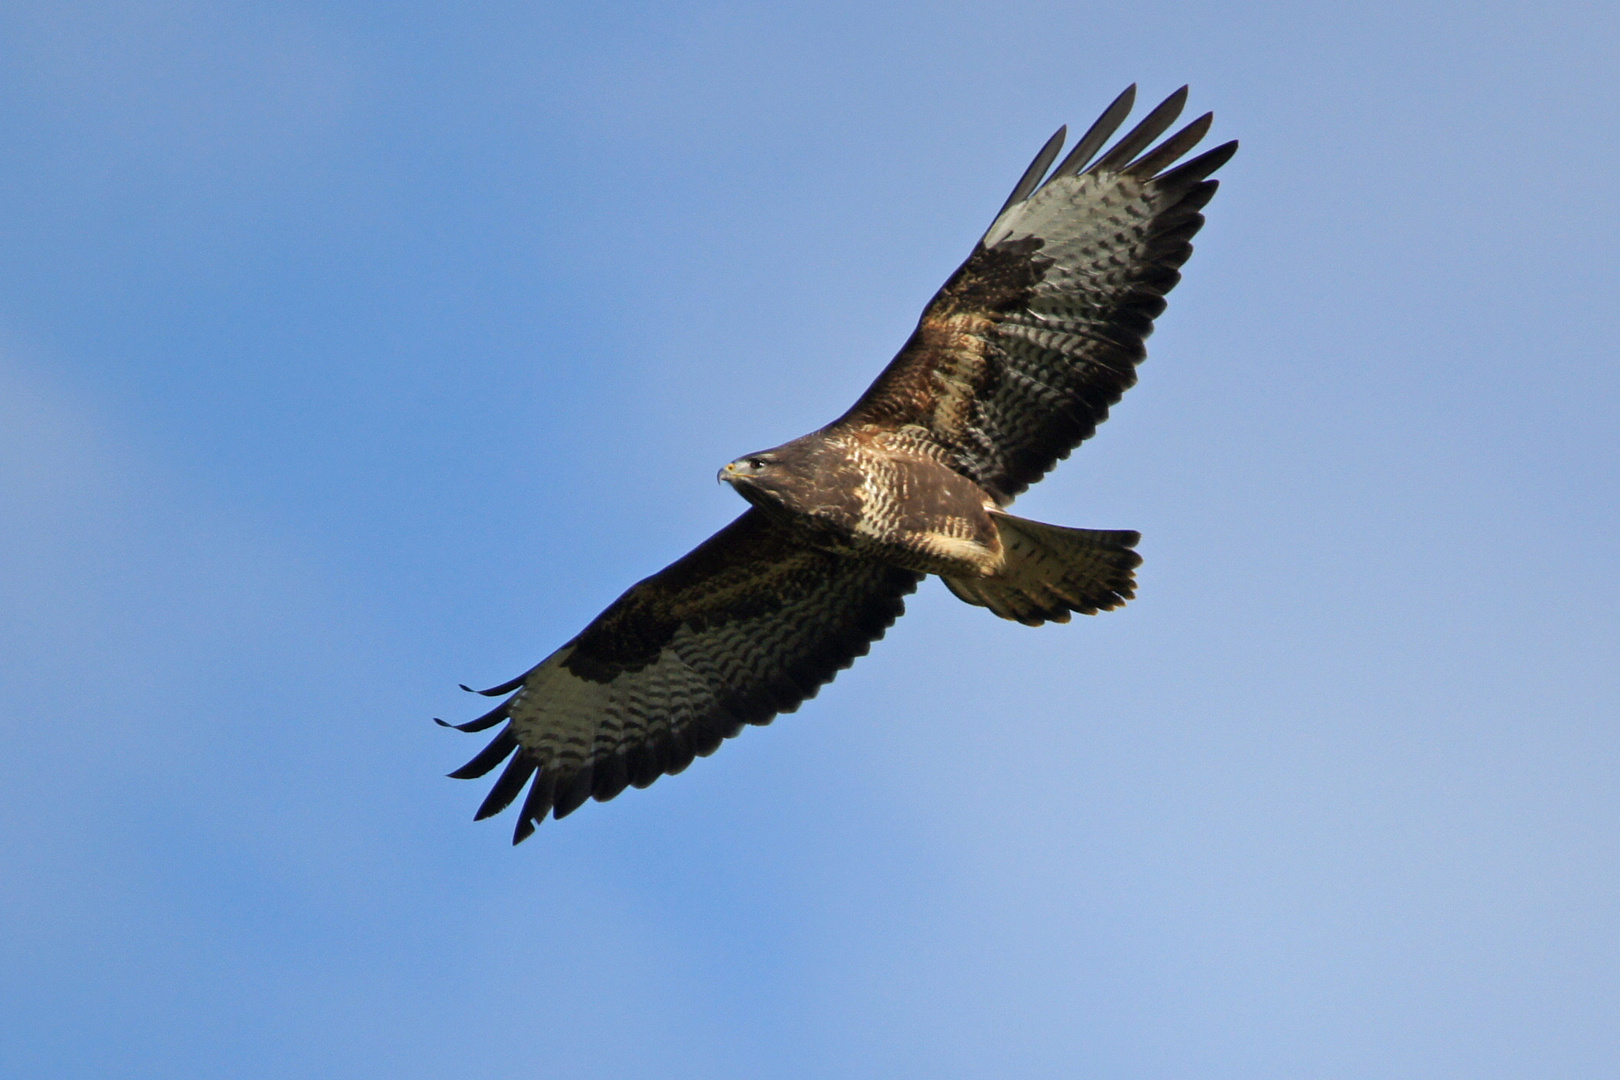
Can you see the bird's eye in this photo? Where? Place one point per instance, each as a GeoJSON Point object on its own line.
{"type": "Point", "coordinates": [755, 463]}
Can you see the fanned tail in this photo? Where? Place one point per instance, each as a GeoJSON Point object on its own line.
{"type": "Point", "coordinates": [1051, 571]}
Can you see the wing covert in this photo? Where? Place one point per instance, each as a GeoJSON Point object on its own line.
{"type": "Point", "coordinates": [748, 625]}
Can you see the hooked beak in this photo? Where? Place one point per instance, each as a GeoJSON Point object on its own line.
{"type": "Point", "coordinates": [727, 474]}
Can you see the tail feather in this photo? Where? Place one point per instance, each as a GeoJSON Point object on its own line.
{"type": "Point", "coordinates": [1050, 571]}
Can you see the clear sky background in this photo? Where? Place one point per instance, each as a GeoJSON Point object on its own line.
{"type": "Point", "coordinates": [349, 351]}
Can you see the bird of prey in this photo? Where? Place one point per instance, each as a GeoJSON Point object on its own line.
{"type": "Point", "coordinates": [1014, 362]}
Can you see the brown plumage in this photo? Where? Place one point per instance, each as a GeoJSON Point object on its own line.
{"type": "Point", "coordinates": [1014, 362]}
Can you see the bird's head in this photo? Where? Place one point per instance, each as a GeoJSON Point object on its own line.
{"type": "Point", "coordinates": [751, 471]}
{"type": "Point", "coordinates": [767, 478]}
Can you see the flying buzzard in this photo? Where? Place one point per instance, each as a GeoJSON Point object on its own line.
{"type": "Point", "coordinates": [1014, 362]}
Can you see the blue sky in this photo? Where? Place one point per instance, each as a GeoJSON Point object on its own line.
{"type": "Point", "coordinates": [352, 351]}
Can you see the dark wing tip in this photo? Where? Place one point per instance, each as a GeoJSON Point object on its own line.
{"type": "Point", "coordinates": [1037, 169]}
{"type": "Point", "coordinates": [1172, 148]}
{"type": "Point", "coordinates": [497, 691]}
{"type": "Point", "coordinates": [1187, 175]}
{"type": "Point", "coordinates": [482, 723]}
{"type": "Point", "coordinates": [1097, 134]}
{"type": "Point", "coordinates": [572, 794]}
{"type": "Point", "coordinates": [535, 806]}
{"type": "Point", "coordinates": [517, 773]}
{"type": "Point", "coordinates": [487, 758]}
{"type": "Point", "coordinates": [1152, 126]}
{"type": "Point", "coordinates": [1221, 154]}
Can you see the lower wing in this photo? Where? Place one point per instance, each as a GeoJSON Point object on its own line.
{"type": "Point", "coordinates": [748, 625]}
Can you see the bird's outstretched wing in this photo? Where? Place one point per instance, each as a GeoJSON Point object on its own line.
{"type": "Point", "coordinates": [746, 626]}
{"type": "Point", "coordinates": [1019, 356]}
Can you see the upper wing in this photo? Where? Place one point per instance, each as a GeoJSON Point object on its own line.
{"type": "Point", "coordinates": [1019, 356]}
{"type": "Point", "coordinates": [747, 625]}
